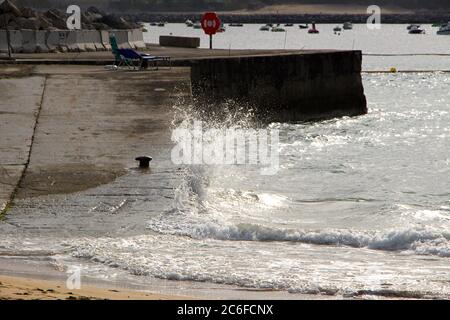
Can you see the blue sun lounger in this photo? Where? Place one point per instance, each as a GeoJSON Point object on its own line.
{"type": "Point", "coordinates": [134, 59]}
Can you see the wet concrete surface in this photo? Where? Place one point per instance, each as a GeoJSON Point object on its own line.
{"type": "Point", "coordinates": [19, 104]}
{"type": "Point", "coordinates": [92, 125]}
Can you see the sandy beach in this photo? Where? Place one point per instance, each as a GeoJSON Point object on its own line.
{"type": "Point", "coordinates": [18, 288]}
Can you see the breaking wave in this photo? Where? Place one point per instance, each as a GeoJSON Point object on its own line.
{"type": "Point", "coordinates": [167, 257]}
{"type": "Point", "coordinates": [420, 241]}
{"type": "Point", "coordinates": [196, 214]}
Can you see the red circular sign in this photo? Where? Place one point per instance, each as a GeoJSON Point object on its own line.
{"type": "Point", "coordinates": [210, 23]}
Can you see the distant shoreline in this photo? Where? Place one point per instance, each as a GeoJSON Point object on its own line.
{"type": "Point", "coordinates": [247, 17]}
{"type": "Point", "coordinates": [321, 9]}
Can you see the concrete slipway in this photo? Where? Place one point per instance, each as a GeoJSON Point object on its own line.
{"type": "Point", "coordinates": [70, 128]}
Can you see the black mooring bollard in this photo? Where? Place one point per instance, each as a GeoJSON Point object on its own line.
{"type": "Point", "coordinates": [144, 161]}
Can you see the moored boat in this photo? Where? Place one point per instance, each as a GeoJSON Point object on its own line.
{"type": "Point", "coordinates": [444, 30]}
{"type": "Point", "coordinates": [409, 27]}
{"type": "Point", "coordinates": [278, 29]}
{"type": "Point", "coordinates": [416, 30]}
{"type": "Point", "coordinates": [348, 25]}
{"type": "Point", "coordinates": [313, 29]}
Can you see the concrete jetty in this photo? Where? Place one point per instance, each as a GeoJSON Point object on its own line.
{"type": "Point", "coordinates": [284, 87]}
{"type": "Point", "coordinates": [70, 128]}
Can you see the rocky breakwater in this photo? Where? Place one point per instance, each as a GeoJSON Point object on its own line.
{"type": "Point", "coordinates": [32, 31]}
{"type": "Point", "coordinates": [402, 18]}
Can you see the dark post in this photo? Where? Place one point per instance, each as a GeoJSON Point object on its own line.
{"type": "Point", "coordinates": [8, 40]}
{"type": "Point", "coordinates": [144, 161]}
{"type": "Point", "coordinates": [210, 41]}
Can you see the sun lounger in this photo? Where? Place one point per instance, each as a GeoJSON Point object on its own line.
{"type": "Point", "coordinates": [133, 59]}
{"type": "Point", "coordinates": [138, 60]}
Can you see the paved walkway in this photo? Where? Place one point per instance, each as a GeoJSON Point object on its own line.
{"type": "Point", "coordinates": [178, 55]}
{"type": "Point", "coordinates": [19, 105]}
{"type": "Point", "coordinates": [70, 128]}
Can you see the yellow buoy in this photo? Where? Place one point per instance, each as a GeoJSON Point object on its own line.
{"type": "Point", "coordinates": [393, 70]}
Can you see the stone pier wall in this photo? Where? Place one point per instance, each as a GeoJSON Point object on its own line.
{"type": "Point", "coordinates": [290, 87]}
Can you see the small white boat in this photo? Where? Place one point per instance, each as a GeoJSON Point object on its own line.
{"type": "Point", "coordinates": [412, 26]}
{"type": "Point", "coordinates": [416, 30]}
{"type": "Point", "coordinates": [444, 30]}
{"type": "Point", "coordinates": [278, 29]}
{"type": "Point", "coordinates": [189, 23]}
{"type": "Point", "coordinates": [313, 29]}
{"type": "Point", "coordinates": [348, 26]}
